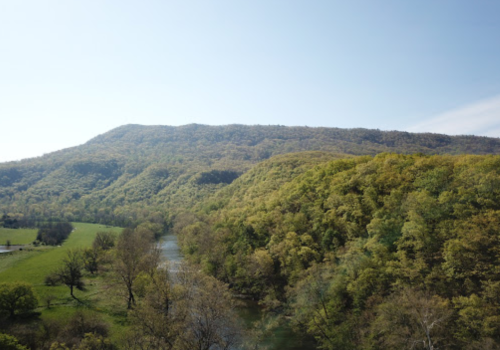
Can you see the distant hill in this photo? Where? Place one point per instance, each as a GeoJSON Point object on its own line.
{"type": "Point", "coordinates": [135, 172]}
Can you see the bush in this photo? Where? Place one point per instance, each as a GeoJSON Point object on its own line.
{"type": "Point", "coordinates": [52, 279]}
{"type": "Point", "coordinates": [8, 342]}
{"type": "Point", "coordinates": [80, 325]}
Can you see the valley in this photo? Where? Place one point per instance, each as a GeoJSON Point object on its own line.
{"type": "Point", "coordinates": [346, 238]}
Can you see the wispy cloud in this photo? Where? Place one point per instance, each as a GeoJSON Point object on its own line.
{"type": "Point", "coordinates": [480, 118]}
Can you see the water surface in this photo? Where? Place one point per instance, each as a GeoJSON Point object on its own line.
{"type": "Point", "coordinates": [282, 338]}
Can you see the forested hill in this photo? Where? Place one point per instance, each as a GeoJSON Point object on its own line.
{"type": "Point", "coordinates": [134, 173]}
{"type": "Point", "coordinates": [381, 252]}
{"type": "Point", "coordinates": [259, 141]}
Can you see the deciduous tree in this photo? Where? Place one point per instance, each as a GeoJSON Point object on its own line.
{"type": "Point", "coordinates": [133, 256]}
{"type": "Point", "coordinates": [70, 272]}
{"type": "Point", "coordinates": [17, 297]}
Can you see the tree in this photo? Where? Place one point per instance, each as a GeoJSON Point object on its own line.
{"type": "Point", "coordinates": [54, 234]}
{"type": "Point", "coordinates": [190, 311]}
{"type": "Point", "coordinates": [17, 297]}
{"type": "Point", "coordinates": [8, 222]}
{"type": "Point", "coordinates": [84, 330]}
{"type": "Point", "coordinates": [413, 319]}
{"type": "Point", "coordinates": [71, 272]}
{"type": "Point", "coordinates": [211, 322]}
{"type": "Point", "coordinates": [95, 342]}
{"type": "Point", "coordinates": [133, 251]}
{"type": "Point", "coordinates": [104, 240]}
{"type": "Point", "coordinates": [91, 259]}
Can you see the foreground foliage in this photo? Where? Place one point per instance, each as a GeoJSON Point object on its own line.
{"type": "Point", "coordinates": [391, 252]}
{"type": "Point", "coordinates": [8, 342]}
{"type": "Point", "coordinates": [161, 307]}
{"type": "Point", "coordinates": [185, 310]}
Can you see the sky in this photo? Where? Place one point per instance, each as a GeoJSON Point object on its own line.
{"type": "Point", "coordinates": [71, 70]}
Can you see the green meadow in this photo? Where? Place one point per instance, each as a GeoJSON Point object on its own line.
{"type": "Point", "coordinates": [17, 236]}
{"type": "Point", "coordinates": [33, 264]}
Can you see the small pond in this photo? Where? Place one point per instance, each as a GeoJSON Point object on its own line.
{"type": "Point", "coordinates": [8, 249]}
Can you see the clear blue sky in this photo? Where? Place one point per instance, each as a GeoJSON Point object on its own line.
{"type": "Point", "coordinates": [70, 70]}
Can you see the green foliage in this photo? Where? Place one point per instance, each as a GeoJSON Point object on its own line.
{"type": "Point", "coordinates": [32, 266]}
{"type": "Point", "coordinates": [8, 342]}
{"type": "Point", "coordinates": [7, 222]}
{"type": "Point", "coordinates": [338, 241]}
{"type": "Point", "coordinates": [71, 271]}
{"type": "Point", "coordinates": [17, 298]}
{"type": "Point", "coordinates": [412, 319]}
{"type": "Point", "coordinates": [54, 234]}
{"type": "Point", "coordinates": [104, 240]}
{"type": "Point", "coordinates": [134, 173]}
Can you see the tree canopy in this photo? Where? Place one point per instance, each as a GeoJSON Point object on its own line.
{"type": "Point", "coordinates": [135, 173]}
{"type": "Point", "coordinates": [338, 243]}
{"type": "Point", "coordinates": [17, 298]}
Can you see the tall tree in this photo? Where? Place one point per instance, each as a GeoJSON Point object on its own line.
{"type": "Point", "coordinates": [185, 311]}
{"type": "Point", "coordinates": [133, 251]}
{"type": "Point", "coordinates": [71, 271]}
{"type": "Point", "coordinates": [414, 320]}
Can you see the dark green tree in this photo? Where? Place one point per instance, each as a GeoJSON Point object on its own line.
{"type": "Point", "coordinates": [71, 273]}
{"type": "Point", "coordinates": [17, 297]}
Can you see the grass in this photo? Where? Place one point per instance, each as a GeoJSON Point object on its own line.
{"type": "Point", "coordinates": [32, 265]}
{"type": "Point", "coordinates": [17, 236]}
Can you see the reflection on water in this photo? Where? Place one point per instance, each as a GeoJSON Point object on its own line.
{"type": "Point", "coordinates": [282, 337]}
{"type": "Point", "coordinates": [170, 248]}
{"type": "Point", "coordinates": [5, 249]}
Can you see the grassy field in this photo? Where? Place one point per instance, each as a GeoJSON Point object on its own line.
{"type": "Point", "coordinates": [32, 265]}
{"type": "Point", "coordinates": [18, 236]}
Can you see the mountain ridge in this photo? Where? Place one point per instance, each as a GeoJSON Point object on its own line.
{"type": "Point", "coordinates": [136, 172]}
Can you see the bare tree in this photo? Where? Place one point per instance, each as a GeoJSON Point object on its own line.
{"type": "Point", "coordinates": [186, 310]}
{"type": "Point", "coordinates": [413, 319]}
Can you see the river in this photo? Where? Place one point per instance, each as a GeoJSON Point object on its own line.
{"type": "Point", "coordinates": [283, 337]}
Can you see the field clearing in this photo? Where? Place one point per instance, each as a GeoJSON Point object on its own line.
{"type": "Point", "coordinates": [32, 266]}
{"type": "Point", "coordinates": [17, 236]}
{"type": "Point", "coordinates": [100, 296]}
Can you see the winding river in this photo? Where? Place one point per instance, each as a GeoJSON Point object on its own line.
{"type": "Point", "coordinates": [283, 338]}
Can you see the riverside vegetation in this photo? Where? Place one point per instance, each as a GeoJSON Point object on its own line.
{"type": "Point", "coordinates": [113, 293]}
{"type": "Point", "coordinates": [356, 248]}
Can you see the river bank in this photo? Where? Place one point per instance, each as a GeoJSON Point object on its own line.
{"type": "Point", "coordinates": [281, 337]}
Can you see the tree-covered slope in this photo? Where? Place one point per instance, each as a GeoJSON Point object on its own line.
{"type": "Point", "coordinates": [135, 172]}
{"type": "Point", "coordinates": [363, 252]}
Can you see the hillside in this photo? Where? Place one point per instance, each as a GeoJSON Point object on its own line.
{"type": "Point", "coordinates": [362, 252]}
{"type": "Point", "coordinates": [134, 172]}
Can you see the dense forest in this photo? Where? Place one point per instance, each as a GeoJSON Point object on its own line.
{"type": "Point", "coordinates": [136, 173]}
{"type": "Point", "coordinates": [385, 252]}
